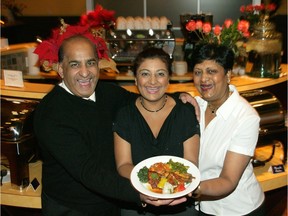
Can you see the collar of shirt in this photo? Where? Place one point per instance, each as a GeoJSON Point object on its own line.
{"type": "Point", "coordinates": [225, 109]}
{"type": "Point", "coordinates": [92, 97]}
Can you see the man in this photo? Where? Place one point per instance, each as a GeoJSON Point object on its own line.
{"type": "Point", "coordinates": [73, 125]}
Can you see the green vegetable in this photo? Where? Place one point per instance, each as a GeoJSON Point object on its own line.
{"type": "Point", "coordinates": [154, 176]}
{"type": "Point", "coordinates": [143, 175]}
{"type": "Point", "coordinates": [176, 166]}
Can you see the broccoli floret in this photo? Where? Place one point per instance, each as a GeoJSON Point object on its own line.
{"type": "Point", "coordinates": [143, 175]}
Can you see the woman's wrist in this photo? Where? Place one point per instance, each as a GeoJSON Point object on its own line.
{"type": "Point", "coordinates": [197, 192]}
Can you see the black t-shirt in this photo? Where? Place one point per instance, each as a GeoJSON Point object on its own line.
{"type": "Point", "coordinates": [179, 125]}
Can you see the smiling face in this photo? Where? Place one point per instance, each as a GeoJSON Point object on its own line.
{"type": "Point", "coordinates": [210, 80]}
{"type": "Point", "coordinates": [152, 79]}
{"type": "Point", "coordinates": [79, 68]}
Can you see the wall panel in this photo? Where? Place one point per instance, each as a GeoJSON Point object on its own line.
{"type": "Point", "coordinates": [221, 9]}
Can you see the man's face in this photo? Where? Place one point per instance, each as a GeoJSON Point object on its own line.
{"type": "Point", "coordinates": [79, 69]}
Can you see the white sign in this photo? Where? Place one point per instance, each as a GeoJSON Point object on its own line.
{"type": "Point", "coordinates": [13, 78]}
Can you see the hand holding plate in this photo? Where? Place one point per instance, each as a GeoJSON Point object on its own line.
{"type": "Point", "coordinates": [159, 202]}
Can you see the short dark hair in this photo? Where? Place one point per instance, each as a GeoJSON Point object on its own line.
{"type": "Point", "coordinates": [74, 37]}
{"type": "Point", "coordinates": [223, 55]}
{"type": "Point", "coordinates": [152, 53]}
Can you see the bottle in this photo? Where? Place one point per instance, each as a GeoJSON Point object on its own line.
{"type": "Point", "coordinates": [264, 48]}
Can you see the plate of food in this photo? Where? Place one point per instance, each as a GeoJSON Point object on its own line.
{"type": "Point", "coordinates": [165, 177]}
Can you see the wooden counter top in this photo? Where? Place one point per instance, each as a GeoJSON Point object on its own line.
{"type": "Point", "coordinates": [32, 199]}
{"type": "Point", "coordinates": [30, 90]}
{"type": "Point", "coordinates": [27, 198]}
{"type": "Point", "coordinates": [243, 83]}
{"type": "Point", "coordinates": [267, 179]}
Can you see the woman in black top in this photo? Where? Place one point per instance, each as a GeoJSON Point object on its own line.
{"type": "Point", "coordinates": [154, 124]}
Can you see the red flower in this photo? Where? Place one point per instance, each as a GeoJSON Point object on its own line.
{"type": "Point", "coordinates": [207, 27]}
{"type": "Point", "coordinates": [258, 8]}
{"type": "Point", "coordinates": [246, 34]}
{"type": "Point", "coordinates": [100, 17]}
{"type": "Point", "coordinates": [254, 13]}
{"type": "Point", "coordinates": [242, 9]}
{"type": "Point", "coordinates": [250, 8]}
{"type": "Point", "coordinates": [191, 25]}
{"type": "Point", "coordinates": [271, 7]}
{"type": "Point", "coordinates": [230, 34]}
{"type": "Point", "coordinates": [48, 49]}
{"type": "Point", "coordinates": [261, 7]}
{"type": "Point", "coordinates": [243, 26]}
{"type": "Point", "coordinates": [199, 24]}
{"type": "Point", "coordinates": [228, 23]}
{"type": "Point", "coordinates": [84, 19]}
{"type": "Point", "coordinates": [217, 30]}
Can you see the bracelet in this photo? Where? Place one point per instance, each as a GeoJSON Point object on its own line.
{"type": "Point", "coordinates": [143, 204]}
{"type": "Point", "coordinates": [198, 194]}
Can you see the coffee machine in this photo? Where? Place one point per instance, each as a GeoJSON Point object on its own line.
{"type": "Point", "coordinates": [18, 145]}
{"type": "Point", "coordinates": [124, 45]}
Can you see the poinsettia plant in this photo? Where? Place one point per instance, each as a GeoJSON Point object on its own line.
{"type": "Point", "coordinates": [100, 17]}
{"type": "Point", "coordinates": [231, 34]}
{"type": "Point", "coordinates": [47, 50]}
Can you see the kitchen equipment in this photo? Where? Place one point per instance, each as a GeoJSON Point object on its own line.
{"type": "Point", "coordinates": [124, 45]}
{"type": "Point", "coordinates": [18, 144]}
{"type": "Point", "coordinates": [272, 123]}
{"type": "Point", "coordinates": [20, 57]}
{"type": "Point", "coordinates": [180, 67]}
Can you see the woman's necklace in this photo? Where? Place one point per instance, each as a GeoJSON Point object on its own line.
{"type": "Point", "coordinates": [164, 103]}
{"type": "Point", "coordinates": [214, 109]}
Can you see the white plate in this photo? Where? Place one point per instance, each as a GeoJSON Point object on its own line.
{"type": "Point", "coordinates": [142, 187]}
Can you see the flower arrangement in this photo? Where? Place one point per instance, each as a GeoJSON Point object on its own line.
{"type": "Point", "coordinates": [100, 17]}
{"type": "Point", "coordinates": [47, 50]}
{"type": "Point", "coordinates": [231, 34]}
{"type": "Point", "coordinates": [15, 8]}
{"type": "Point", "coordinates": [255, 13]}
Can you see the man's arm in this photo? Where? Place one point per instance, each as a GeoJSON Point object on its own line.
{"type": "Point", "coordinates": [186, 97]}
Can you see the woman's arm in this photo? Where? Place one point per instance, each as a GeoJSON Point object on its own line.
{"type": "Point", "coordinates": [122, 151]}
{"type": "Point", "coordinates": [191, 149]}
{"type": "Point", "coordinates": [186, 97]}
{"type": "Point", "coordinates": [234, 166]}
{"type": "Point", "coordinates": [237, 157]}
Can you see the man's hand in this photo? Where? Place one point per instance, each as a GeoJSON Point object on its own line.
{"type": "Point", "coordinates": [159, 202]}
{"type": "Point", "coordinates": [186, 97]}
